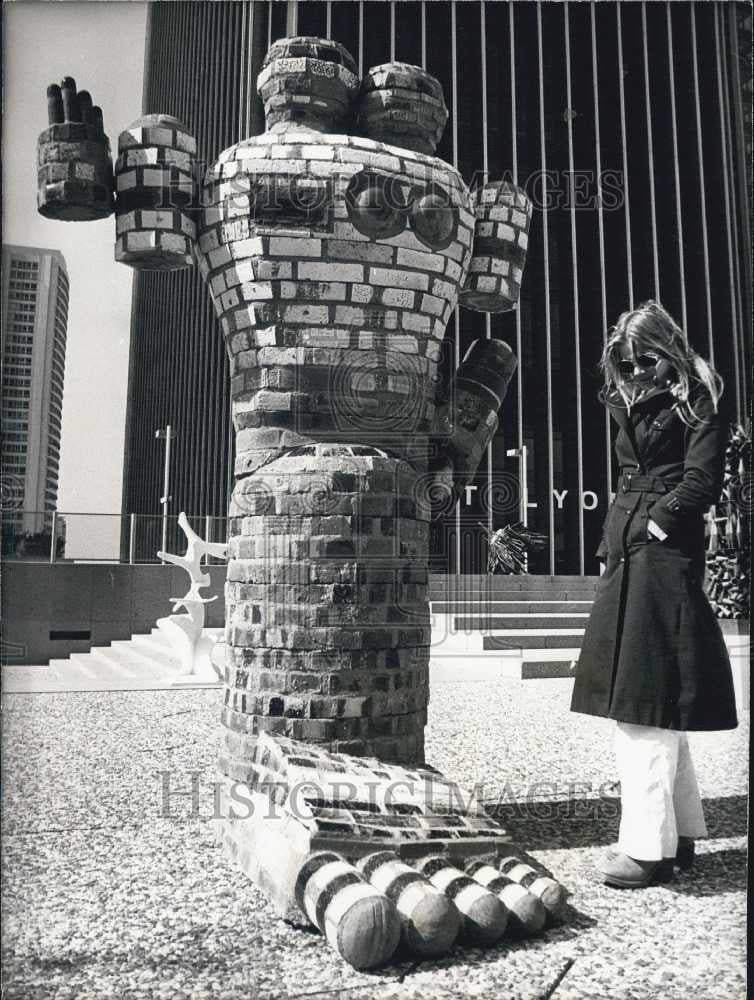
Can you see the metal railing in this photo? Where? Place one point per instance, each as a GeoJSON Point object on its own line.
{"type": "Point", "coordinates": [65, 537]}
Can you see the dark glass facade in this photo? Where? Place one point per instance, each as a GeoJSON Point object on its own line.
{"type": "Point", "coordinates": [627, 126]}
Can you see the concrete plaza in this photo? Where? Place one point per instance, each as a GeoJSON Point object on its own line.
{"type": "Point", "coordinates": [104, 897]}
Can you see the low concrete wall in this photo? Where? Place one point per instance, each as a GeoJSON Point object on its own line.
{"type": "Point", "coordinates": [115, 601]}
{"type": "Point", "coordinates": [106, 600]}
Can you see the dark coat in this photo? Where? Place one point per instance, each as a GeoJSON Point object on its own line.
{"type": "Point", "coordinates": [653, 653]}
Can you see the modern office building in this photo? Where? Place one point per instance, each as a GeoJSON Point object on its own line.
{"type": "Point", "coordinates": [629, 125]}
{"type": "Point", "coordinates": [34, 325]}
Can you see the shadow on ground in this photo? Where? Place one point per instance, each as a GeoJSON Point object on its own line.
{"type": "Point", "coordinates": [594, 822]}
{"type": "Point", "coordinates": [714, 873]}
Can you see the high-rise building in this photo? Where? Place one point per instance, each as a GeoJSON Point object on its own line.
{"type": "Point", "coordinates": [34, 325]}
{"type": "Point", "coordinates": [627, 127]}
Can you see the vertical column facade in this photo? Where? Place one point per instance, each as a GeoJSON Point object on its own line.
{"type": "Point", "coordinates": [608, 190]}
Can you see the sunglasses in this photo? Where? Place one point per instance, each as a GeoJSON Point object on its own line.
{"type": "Point", "coordinates": [643, 361]}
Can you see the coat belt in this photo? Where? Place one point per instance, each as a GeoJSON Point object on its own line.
{"type": "Point", "coordinates": [633, 482]}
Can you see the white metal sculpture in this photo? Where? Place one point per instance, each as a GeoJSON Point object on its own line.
{"type": "Point", "coordinates": [185, 631]}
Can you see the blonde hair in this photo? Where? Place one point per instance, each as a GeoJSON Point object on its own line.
{"type": "Point", "coordinates": [650, 328]}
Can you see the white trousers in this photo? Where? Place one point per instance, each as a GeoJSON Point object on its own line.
{"type": "Point", "coordinates": [660, 798]}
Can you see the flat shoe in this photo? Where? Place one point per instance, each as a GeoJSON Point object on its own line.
{"type": "Point", "coordinates": [684, 855]}
{"type": "Point", "coordinates": [618, 869]}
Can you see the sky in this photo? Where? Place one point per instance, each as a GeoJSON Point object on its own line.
{"type": "Point", "coordinates": [101, 45]}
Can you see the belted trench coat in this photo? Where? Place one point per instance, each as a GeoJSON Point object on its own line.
{"type": "Point", "coordinates": [653, 653]}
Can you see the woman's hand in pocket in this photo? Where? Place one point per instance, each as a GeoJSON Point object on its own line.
{"type": "Point", "coordinates": [655, 531]}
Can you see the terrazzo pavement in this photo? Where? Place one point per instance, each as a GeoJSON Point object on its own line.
{"type": "Point", "coordinates": [103, 897]}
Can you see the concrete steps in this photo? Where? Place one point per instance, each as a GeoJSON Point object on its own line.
{"type": "Point", "coordinates": [529, 627]}
{"type": "Point", "coordinates": [143, 662]}
{"type": "Point", "coordinates": [476, 595]}
{"type": "Point", "coordinates": [154, 646]}
{"type": "Point", "coordinates": [508, 627]}
{"type": "Point", "coordinates": [511, 607]}
{"type": "Point", "coordinates": [534, 639]}
{"type": "Point", "coordinates": [126, 658]}
{"type": "Point", "coordinates": [493, 622]}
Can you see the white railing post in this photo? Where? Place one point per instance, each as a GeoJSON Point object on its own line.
{"type": "Point", "coordinates": [132, 540]}
{"type": "Point", "coordinates": [53, 535]}
{"type": "Point", "coordinates": [208, 531]}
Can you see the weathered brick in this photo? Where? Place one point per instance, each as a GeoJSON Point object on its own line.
{"type": "Point", "coordinates": [402, 297]}
{"type": "Point", "coordinates": [362, 293]}
{"type": "Point", "coordinates": [253, 247]}
{"type": "Point", "coordinates": [125, 222]}
{"type": "Point", "coordinates": [453, 271]}
{"type": "Point", "coordinates": [415, 258]}
{"type": "Point", "coordinates": [252, 290]}
{"type": "Point", "coordinates": [403, 344]}
{"type": "Point", "coordinates": [376, 161]}
{"type": "Point", "coordinates": [305, 314]}
{"type": "Point", "coordinates": [399, 279]}
{"type": "Point", "coordinates": [444, 289]}
{"type": "Point", "coordinates": [415, 321]}
{"type": "Point", "coordinates": [352, 250]}
{"type": "Point", "coordinates": [219, 257]}
{"type": "Point", "coordinates": [432, 304]}
{"type": "Point", "coordinates": [295, 247]}
{"type": "Point", "coordinates": [228, 299]}
{"type": "Point", "coordinates": [317, 152]}
{"type": "Point", "coordinates": [330, 271]}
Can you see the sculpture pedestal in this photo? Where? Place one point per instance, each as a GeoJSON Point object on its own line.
{"type": "Point", "coordinates": [192, 644]}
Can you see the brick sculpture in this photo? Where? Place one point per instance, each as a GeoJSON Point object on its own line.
{"type": "Point", "coordinates": [503, 214]}
{"type": "Point", "coordinates": [358, 920]}
{"type": "Point", "coordinates": [74, 169]}
{"type": "Point", "coordinates": [430, 922]}
{"type": "Point", "coordinates": [526, 912]}
{"type": "Point", "coordinates": [310, 827]}
{"type": "Point", "coordinates": [334, 261]}
{"type": "Point", "coordinates": [335, 247]}
{"type": "Point", "coordinates": [154, 179]}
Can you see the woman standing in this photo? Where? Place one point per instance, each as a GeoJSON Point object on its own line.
{"type": "Point", "coordinates": [653, 656]}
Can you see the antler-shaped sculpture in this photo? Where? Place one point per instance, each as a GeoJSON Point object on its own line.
{"type": "Point", "coordinates": [185, 630]}
{"type": "Point", "coordinates": [196, 550]}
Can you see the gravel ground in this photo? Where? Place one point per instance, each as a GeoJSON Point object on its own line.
{"type": "Point", "coordinates": [105, 898]}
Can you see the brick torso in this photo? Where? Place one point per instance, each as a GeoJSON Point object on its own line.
{"type": "Point", "coordinates": [336, 332]}
{"type": "Point", "coordinates": [334, 336]}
